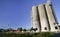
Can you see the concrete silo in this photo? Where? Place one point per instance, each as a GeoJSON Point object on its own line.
{"type": "Point", "coordinates": [35, 18]}
{"type": "Point", "coordinates": [51, 17]}
{"type": "Point", "coordinates": [43, 18]}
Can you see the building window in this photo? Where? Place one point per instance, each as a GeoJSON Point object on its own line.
{"type": "Point", "coordinates": [45, 28]}
{"type": "Point", "coordinates": [56, 27]}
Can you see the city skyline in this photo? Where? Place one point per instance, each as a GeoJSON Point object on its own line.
{"type": "Point", "coordinates": [17, 13]}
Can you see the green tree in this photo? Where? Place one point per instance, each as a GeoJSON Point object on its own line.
{"type": "Point", "coordinates": [31, 29]}
{"type": "Point", "coordinates": [24, 30]}
{"type": "Point", "coordinates": [19, 29]}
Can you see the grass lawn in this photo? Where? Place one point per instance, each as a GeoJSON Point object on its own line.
{"type": "Point", "coordinates": [42, 34]}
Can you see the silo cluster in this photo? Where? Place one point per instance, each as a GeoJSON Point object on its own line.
{"type": "Point", "coordinates": [44, 18]}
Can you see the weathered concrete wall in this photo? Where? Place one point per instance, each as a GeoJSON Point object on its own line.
{"type": "Point", "coordinates": [35, 18]}
{"type": "Point", "coordinates": [43, 19]}
{"type": "Point", "coordinates": [51, 17]}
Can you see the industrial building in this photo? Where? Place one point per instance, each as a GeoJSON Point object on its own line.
{"type": "Point", "coordinates": [44, 18]}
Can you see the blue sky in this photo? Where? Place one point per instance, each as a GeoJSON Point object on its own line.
{"type": "Point", "coordinates": [17, 13]}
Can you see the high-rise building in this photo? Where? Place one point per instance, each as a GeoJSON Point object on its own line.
{"type": "Point", "coordinates": [44, 18]}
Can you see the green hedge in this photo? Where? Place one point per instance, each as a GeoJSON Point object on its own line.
{"type": "Point", "coordinates": [42, 34]}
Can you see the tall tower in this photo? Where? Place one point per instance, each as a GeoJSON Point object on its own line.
{"type": "Point", "coordinates": [43, 18]}
{"type": "Point", "coordinates": [51, 17]}
{"type": "Point", "coordinates": [35, 18]}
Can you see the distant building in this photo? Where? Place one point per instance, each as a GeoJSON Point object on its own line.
{"type": "Point", "coordinates": [17, 31]}
{"type": "Point", "coordinates": [44, 18]}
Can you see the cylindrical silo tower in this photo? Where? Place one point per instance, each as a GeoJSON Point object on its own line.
{"type": "Point", "coordinates": [43, 18]}
{"type": "Point", "coordinates": [35, 18]}
{"type": "Point", "coordinates": [51, 17]}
